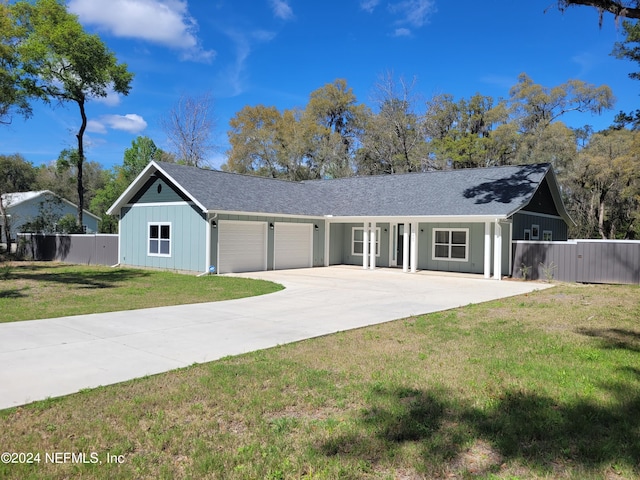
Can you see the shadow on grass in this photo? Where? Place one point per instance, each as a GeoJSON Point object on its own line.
{"type": "Point", "coordinates": [614, 337]}
{"type": "Point", "coordinates": [79, 278]}
{"type": "Point", "coordinates": [13, 293]}
{"type": "Point", "coordinates": [531, 429]}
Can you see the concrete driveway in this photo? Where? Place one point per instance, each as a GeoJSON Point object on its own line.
{"type": "Point", "coordinates": [53, 357]}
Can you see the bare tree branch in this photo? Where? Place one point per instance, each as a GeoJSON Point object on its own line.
{"type": "Point", "coordinates": [617, 8]}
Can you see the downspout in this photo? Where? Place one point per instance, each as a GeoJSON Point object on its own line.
{"type": "Point", "coordinates": [210, 217]}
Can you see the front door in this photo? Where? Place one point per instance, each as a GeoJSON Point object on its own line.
{"type": "Point", "coordinates": [397, 244]}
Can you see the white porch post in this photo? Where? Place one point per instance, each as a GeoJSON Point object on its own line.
{"type": "Point", "coordinates": [414, 247]}
{"type": "Point", "coordinates": [365, 245]}
{"type": "Point", "coordinates": [487, 249]}
{"type": "Point", "coordinates": [497, 252]}
{"type": "Point", "coordinates": [405, 248]}
{"type": "Point", "coordinates": [372, 249]}
{"type": "Point", "coordinates": [327, 241]}
{"type": "Point", "coordinates": [207, 260]}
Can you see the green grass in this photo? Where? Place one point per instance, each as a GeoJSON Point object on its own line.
{"type": "Point", "coordinates": [542, 386]}
{"type": "Point", "coordinates": [30, 291]}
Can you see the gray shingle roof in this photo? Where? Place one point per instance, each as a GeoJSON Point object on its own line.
{"type": "Point", "coordinates": [496, 191]}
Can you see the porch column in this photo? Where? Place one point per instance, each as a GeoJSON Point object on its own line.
{"type": "Point", "coordinates": [487, 249]}
{"type": "Point", "coordinates": [327, 241]}
{"type": "Point", "coordinates": [497, 252]}
{"type": "Point", "coordinates": [372, 248]}
{"type": "Point", "coordinates": [405, 248]}
{"type": "Point", "coordinates": [365, 245]}
{"type": "Point", "coordinates": [414, 247]}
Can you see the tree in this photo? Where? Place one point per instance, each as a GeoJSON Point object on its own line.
{"type": "Point", "coordinates": [393, 138]}
{"type": "Point", "coordinates": [628, 9]}
{"type": "Point", "coordinates": [142, 151]}
{"type": "Point", "coordinates": [61, 177]}
{"type": "Point", "coordinates": [16, 175]}
{"type": "Point", "coordinates": [254, 141]}
{"type": "Point", "coordinates": [534, 105]}
{"type": "Point", "coordinates": [62, 62]}
{"type": "Point", "coordinates": [115, 181]}
{"type": "Point", "coordinates": [603, 186]}
{"type": "Point", "coordinates": [333, 120]}
{"type": "Point", "coordinates": [12, 95]}
{"type": "Point", "coordinates": [189, 127]}
{"type": "Point", "coordinates": [316, 142]}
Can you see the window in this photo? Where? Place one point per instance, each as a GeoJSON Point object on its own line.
{"type": "Point", "coordinates": [357, 236]}
{"type": "Point", "coordinates": [535, 232]}
{"type": "Point", "coordinates": [451, 244]}
{"type": "Point", "coordinates": [160, 239]}
{"type": "Point", "coordinates": [547, 236]}
{"type": "Point", "coordinates": [527, 234]}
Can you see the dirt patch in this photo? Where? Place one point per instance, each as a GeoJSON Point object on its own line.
{"type": "Point", "coordinates": [479, 459]}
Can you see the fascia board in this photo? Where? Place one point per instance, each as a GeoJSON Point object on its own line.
{"type": "Point", "coordinates": [555, 194]}
{"type": "Point", "coordinates": [135, 185]}
{"type": "Point", "coordinates": [183, 190]}
{"type": "Point", "coordinates": [264, 214]}
{"type": "Point", "coordinates": [139, 182]}
{"type": "Point", "coordinates": [419, 218]}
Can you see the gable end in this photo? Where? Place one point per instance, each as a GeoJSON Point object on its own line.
{"type": "Point", "coordinates": [542, 201]}
{"type": "Point", "coordinates": [158, 189]}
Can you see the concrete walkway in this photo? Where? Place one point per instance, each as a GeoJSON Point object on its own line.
{"type": "Point", "coordinates": [53, 357]}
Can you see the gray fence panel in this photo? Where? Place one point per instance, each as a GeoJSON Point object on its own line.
{"type": "Point", "coordinates": [557, 258]}
{"type": "Point", "coordinates": [98, 249]}
{"type": "Point", "coordinates": [609, 262]}
{"type": "Point", "coordinates": [585, 261]}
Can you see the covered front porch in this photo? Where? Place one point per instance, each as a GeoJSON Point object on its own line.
{"type": "Point", "coordinates": [450, 244]}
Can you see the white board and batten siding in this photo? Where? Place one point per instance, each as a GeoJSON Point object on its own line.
{"type": "Point", "coordinates": [242, 246]}
{"type": "Point", "coordinates": [293, 245]}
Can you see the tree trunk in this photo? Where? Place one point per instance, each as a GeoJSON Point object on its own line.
{"type": "Point", "coordinates": [80, 137]}
{"type": "Point", "coordinates": [601, 218]}
{"type": "Point", "coordinates": [6, 225]}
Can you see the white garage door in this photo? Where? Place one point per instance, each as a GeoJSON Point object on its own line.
{"type": "Point", "coordinates": [242, 246]}
{"type": "Point", "coordinates": [293, 245]}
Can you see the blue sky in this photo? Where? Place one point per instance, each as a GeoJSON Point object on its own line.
{"type": "Point", "coordinates": [276, 52]}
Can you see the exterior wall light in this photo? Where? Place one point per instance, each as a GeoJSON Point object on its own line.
{"type": "Point", "coordinates": [271, 226]}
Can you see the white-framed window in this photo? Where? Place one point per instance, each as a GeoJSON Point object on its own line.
{"type": "Point", "coordinates": [451, 244]}
{"type": "Point", "coordinates": [159, 239]}
{"type": "Point", "coordinates": [357, 236]}
{"type": "Point", "coordinates": [527, 234]}
{"type": "Point", "coordinates": [535, 232]}
{"type": "Point", "coordinates": [547, 236]}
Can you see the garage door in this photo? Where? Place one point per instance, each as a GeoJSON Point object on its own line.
{"type": "Point", "coordinates": [293, 245]}
{"type": "Point", "coordinates": [242, 246]}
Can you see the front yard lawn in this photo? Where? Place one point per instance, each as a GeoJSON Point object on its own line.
{"type": "Point", "coordinates": [30, 291]}
{"type": "Point", "coordinates": [540, 386]}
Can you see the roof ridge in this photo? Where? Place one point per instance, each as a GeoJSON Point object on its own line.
{"type": "Point", "coordinates": [215, 170]}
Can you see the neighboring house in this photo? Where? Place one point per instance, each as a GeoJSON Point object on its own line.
{"type": "Point", "coordinates": [25, 207]}
{"type": "Point", "coordinates": [186, 218]}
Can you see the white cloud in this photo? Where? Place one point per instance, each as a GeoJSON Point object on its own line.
{"type": "Point", "coordinates": [130, 122]}
{"type": "Point", "coordinates": [95, 126]}
{"type": "Point", "coordinates": [402, 32]}
{"type": "Point", "coordinates": [413, 12]}
{"type": "Point", "coordinates": [281, 9]}
{"type": "Point", "coordinates": [369, 5]}
{"type": "Point", "coordinates": [165, 22]}
{"type": "Point", "coordinates": [111, 100]}
{"type": "Point", "coordinates": [235, 74]}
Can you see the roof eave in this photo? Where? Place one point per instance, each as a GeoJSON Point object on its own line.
{"type": "Point", "coordinates": [140, 181]}
{"type": "Point", "coordinates": [554, 187]}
